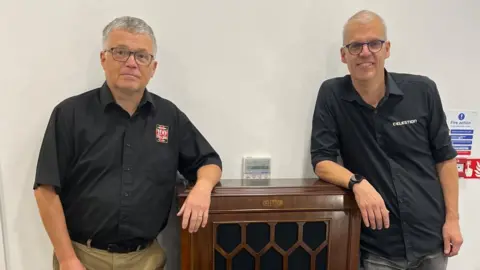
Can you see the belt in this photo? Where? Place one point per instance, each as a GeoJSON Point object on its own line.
{"type": "Point", "coordinates": [120, 247]}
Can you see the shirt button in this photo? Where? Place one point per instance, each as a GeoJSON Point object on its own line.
{"type": "Point", "coordinates": [128, 145]}
{"type": "Point", "coordinates": [128, 169]}
{"type": "Point", "coordinates": [126, 194]}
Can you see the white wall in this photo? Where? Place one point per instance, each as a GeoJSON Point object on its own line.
{"type": "Point", "coordinates": [246, 72]}
{"type": "Point", "coordinates": [3, 250]}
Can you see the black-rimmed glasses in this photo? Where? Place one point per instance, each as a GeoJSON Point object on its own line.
{"type": "Point", "coordinates": [121, 54]}
{"type": "Point", "coordinates": [356, 48]}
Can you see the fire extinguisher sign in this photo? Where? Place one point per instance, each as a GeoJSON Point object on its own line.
{"type": "Point", "coordinates": [468, 168]}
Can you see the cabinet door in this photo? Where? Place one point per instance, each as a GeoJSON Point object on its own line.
{"type": "Point", "coordinates": [272, 241]}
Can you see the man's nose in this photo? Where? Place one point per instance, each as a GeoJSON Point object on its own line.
{"type": "Point", "coordinates": [131, 62]}
{"type": "Point", "coordinates": [365, 50]}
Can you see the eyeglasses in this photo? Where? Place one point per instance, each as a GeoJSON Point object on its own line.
{"type": "Point", "coordinates": [356, 48]}
{"type": "Point", "coordinates": [120, 54]}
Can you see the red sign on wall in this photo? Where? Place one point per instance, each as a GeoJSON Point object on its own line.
{"type": "Point", "coordinates": [464, 153]}
{"type": "Point", "coordinates": [468, 168]}
{"type": "Point", "coordinates": [461, 166]}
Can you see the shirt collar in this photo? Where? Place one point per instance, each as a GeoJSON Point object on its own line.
{"type": "Point", "coordinates": [350, 94]}
{"type": "Point", "coordinates": [106, 97]}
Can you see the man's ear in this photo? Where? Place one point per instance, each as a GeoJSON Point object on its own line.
{"type": "Point", "coordinates": [387, 49]}
{"type": "Point", "coordinates": [342, 55]}
{"type": "Point", "coordinates": [154, 68]}
{"type": "Point", "coordinates": [103, 58]}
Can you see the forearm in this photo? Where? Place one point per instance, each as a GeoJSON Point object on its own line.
{"type": "Point", "coordinates": [53, 218]}
{"type": "Point", "coordinates": [448, 174]}
{"type": "Point", "coordinates": [208, 176]}
{"type": "Point", "coordinates": [333, 173]}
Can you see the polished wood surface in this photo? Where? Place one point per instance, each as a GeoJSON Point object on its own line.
{"type": "Point", "coordinates": [285, 186]}
{"type": "Point", "coordinates": [270, 206]}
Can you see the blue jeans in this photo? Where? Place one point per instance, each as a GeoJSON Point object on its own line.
{"type": "Point", "coordinates": [436, 261]}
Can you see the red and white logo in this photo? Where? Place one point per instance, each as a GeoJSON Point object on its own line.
{"type": "Point", "coordinates": [472, 168]}
{"type": "Point", "coordinates": [161, 134]}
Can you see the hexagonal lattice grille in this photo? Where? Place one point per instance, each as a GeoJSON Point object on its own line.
{"type": "Point", "coordinates": [271, 246]}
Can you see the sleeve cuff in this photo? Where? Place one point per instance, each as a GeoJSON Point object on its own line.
{"type": "Point", "coordinates": [213, 161]}
{"type": "Point", "coordinates": [55, 187]}
{"type": "Point", "coordinates": [318, 159]}
{"type": "Point", "coordinates": [447, 152]}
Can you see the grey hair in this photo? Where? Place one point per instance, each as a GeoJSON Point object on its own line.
{"type": "Point", "coordinates": [132, 25]}
{"type": "Point", "coordinates": [363, 17]}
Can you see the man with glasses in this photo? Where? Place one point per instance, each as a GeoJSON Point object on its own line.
{"type": "Point", "coordinates": [392, 136]}
{"type": "Point", "coordinates": [108, 163]}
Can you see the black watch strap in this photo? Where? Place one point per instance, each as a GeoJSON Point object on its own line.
{"type": "Point", "coordinates": [355, 179]}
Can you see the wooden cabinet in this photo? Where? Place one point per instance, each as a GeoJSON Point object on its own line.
{"type": "Point", "coordinates": [275, 224]}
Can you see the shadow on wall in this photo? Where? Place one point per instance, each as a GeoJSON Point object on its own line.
{"type": "Point", "coordinates": [334, 68]}
{"type": "Point", "coordinates": [308, 170]}
{"type": "Point", "coordinates": [169, 238]}
{"type": "Point", "coordinates": [3, 229]}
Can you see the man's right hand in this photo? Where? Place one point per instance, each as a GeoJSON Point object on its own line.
{"type": "Point", "coordinates": [374, 212]}
{"type": "Point", "coordinates": [73, 264]}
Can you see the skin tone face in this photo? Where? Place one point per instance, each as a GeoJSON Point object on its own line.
{"type": "Point", "coordinates": [128, 77]}
{"type": "Point", "coordinates": [366, 66]}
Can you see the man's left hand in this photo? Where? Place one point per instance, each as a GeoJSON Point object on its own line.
{"type": "Point", "coordinates": [196, 206]}
{"type": "Point", "coordinates": [452, 237]}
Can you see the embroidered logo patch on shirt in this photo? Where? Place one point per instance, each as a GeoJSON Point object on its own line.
{"type": "Point", "coordinates": [161, 133]}
{"type": "Point", "coordinates": [403, 123]}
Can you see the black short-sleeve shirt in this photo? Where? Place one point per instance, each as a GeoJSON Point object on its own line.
{"type": "Point", "coordinates": [115, 173]}
{"type": "Point", "coordinates": [396, 146]}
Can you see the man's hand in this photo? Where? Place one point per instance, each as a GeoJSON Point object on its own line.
{"type": "Point", "coordinates": [372, 206]}
{"type": "Point", "coordinates": [196, 206]}
{"type": "Point", "coordinates": [452, 237]}
{"type": "Point", "coordinates": [72, 264]}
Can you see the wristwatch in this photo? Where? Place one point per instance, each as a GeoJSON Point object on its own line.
{"type": "Point", "coordinates": [355, 179]}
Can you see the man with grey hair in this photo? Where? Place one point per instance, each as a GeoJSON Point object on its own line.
{"type": "Point", "coordinates": [108, 163]}
{"type": "Point", "coordinates": [398, 160]}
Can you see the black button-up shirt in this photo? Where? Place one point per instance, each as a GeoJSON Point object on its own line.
{"type": "Point", "coordinates": [396, 146]}
{"type": "Point", "coordinates": [115, 173]}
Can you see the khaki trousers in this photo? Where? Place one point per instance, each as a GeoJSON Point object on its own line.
{"type": "Point", "coordinates": [150, 258]}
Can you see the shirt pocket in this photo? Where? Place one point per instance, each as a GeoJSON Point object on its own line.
{"type": "Point", "coordinates": [161, 165]}
{"type": "Point", "coordinates": [159, 158]}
